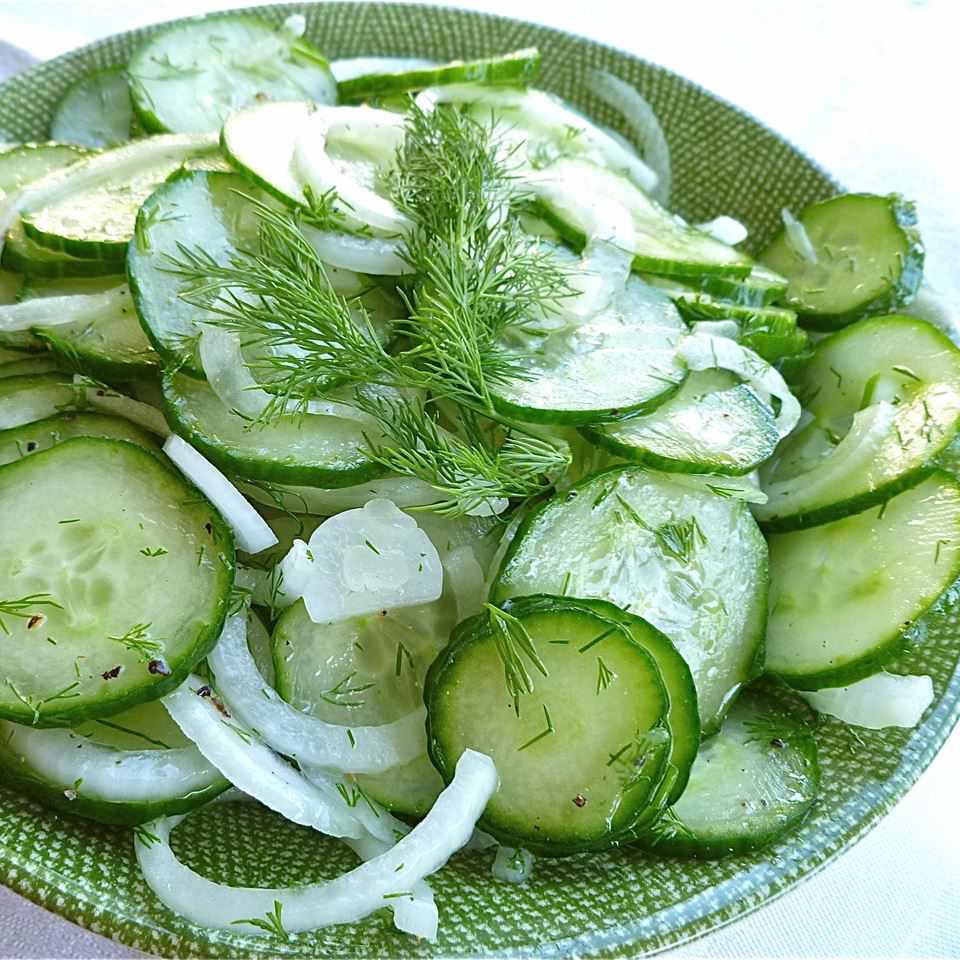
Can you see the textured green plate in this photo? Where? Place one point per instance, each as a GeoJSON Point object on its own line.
{"type": "Point", "coordinates": [616, 904]}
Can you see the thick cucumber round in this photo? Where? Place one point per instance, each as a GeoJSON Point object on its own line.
{"type": "Point", "coordinates": [689, 561]}
{"type": "Point", "coordinates": [90, 209]}
{"type": "Point", "coordinates": [189, 77]}
{"type": "Point", "coordinates": [19, 442]}
{"type": "Point", "coordinates": [105, 340]}
{"type": "Point", "coordinates": [754, 781]}
{"type": "Point", "coordinates": [31, 161]}
{"type": "Point", "coordinates": [618, 364]}
{"type": "Point", "coordinates": [885, 394]}
{"type": "Point", "coordinates": [842, 594]}
{"type": "Point", "coordinates": [127, 770]}
{"type": "Point", "coordinates": [683, 718]}
{"type": "Point", "coordinates": [96, 111]}
{"type": "Point", "coordinates": [713, 425]}
{"type": "Point", "coordinates": [664, 244]}
{"type": "Point", "coordinates": [869, 259]}
{"type": "Point", "coordinates": [517, 69]}
{"type": "Point", "coordinates": [759, 288]}
{"type": "Point", "coordinates": [29, 366]}
{"type": "Point", "coordinates": [34, 397]}
{"type": "Point", "coordinates": [305, 449]}
{"type": "Point", "coordinates": [588, 733]}
{"type": "Point", "coordinates": [26, 256]}
{"type": "Point", "coordinates": [110, 596]}
{"type": "Point", "coordinates": [199, 210]}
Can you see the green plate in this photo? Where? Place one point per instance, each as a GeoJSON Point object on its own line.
{"type": "Point", "coordinates": [616, 904]}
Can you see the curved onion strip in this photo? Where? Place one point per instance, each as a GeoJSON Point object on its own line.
{"type": "Point", "coordinates": [120, 405]}
{"type": "Point", "coordinates": [56, 311]}
{"type": "Point", "coordinates": [797, 236]}
{"type": "Point", "coordinates": [725, 229]}
{"type": "Point", "coordinates": [375, 884]}
{"type": "Point", "coordinates": [602, 274]}
{"type": "Point", "coordinates": [545, 109]}
{"type": "Point", "coordinates": [108, 773]}
{"type": "Point", "coordinates": [375, 255]}
{"type": "Point", "coordinates": [322, 174]}
{"type": "Point", "coordinates": [251, 530]}
{"type": "Point", "coordinates": [883, 700]}
{"type": "Point", "coordinates": [307, 739]}
{"type": "Point", "coordinates": [643, 122]}
{"type": "Point", "coordinates": [250, 765]}
{"type": "Point", "coordinates": [704, 352]}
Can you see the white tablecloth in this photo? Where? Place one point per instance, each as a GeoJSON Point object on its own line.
{"type": "Point", "coordinates": [869, 88]}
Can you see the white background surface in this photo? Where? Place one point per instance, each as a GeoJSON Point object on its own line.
{"type": "Point", "coordinates": [867, 87]}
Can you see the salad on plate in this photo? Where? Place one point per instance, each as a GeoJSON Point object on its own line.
{"type": "Point", "coordinates": [379, 447]}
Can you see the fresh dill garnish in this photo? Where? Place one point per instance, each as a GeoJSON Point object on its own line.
{"type": "Point", "coordinates": [145, 837]}
{"type": "Point", "coordinates": [605, 676]}
{"type": "Point", "coordinates": [153, 552]}
{"type": "Point", "coordinates": [597, 639]}
{"type": "Point", "coordinates": [353, 795]}
{"type": "Point", "coordinates": [679, 539]}
{"type": "Point", "coordinates": [23, 608]}
{"type": "Point", "coordinates": [549, 729]}
{"type": "Point", "coordinates": [340, 695]}
{"type": "Point", "coordinates": [402, 654]}
{"type": "Point", "coordinates": [133, 733]}
{"type": "Point", "coordinates": [513, 640]}
{"type": "Point", "coordinates": [272, 922]}
{"type": "Point", "coordinates": [137, 640]}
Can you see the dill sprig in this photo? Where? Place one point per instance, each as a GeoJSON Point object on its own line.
{"type": "Point", "coordinates": [137, 640]}
{"type": "Point", "coordinates": [272, 923]}
{"type": "Point", "coordinates": [513, 641]}
{"type": "Point", "coordinates": [25, 607]}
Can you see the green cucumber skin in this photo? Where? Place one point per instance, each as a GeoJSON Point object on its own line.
{"type": "Point", "coordinates": [254, 178]}
{"type": "Point", "coordinates": [582, 418]}
{"type": "Point", "coordinates": [23, 255]}
{"type": "Point", "coordinates": [519, 68]}
{"type": "Point", "coordinates": [667, 268]}
{"type": "Point", "coordinates": [99, 251]}
{"type": "Point", "coordinates": [899, 293]}
{"type": "Point", "coordinates": [274, 472]}
{"type": "Point", "coordinates": [461, 636]}
{"type": "Point", "coordinates": [97, 365]}
{"type": "Point", "coordinates": [204, 642]}
{"type": "Point", "coordinates": [798, 735]}
{"type": "Point", "coordinates": [110, 812]}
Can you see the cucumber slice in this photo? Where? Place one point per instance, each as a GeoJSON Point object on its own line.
{"type": "Point", "coordinates": [189, 77]}
{"type": "Point", "coordinates": [128, 770]}
{"type": "Point", "coordinates": [664, 244]}
{"type": "Point", "coordinates": [683, 718]}
{"type": "Point", "coordinates": [869, 259]}
{"type": "Point", "coordinates": [31, 161]}
{"type": "Point", "coordinates": [89, 209]}
{"type": "Point", "coordinates": [34, 397]}
{"type": "Point", "coordinates": [347, 68]}
{"type": "Point", "coordinates": [754, 781]}
{"type": "Point", "coordinates": [313, 450]}
{"type": "Point", "coordinates": [409, 790]}
{"type": "Point", "coordinates": [842, 594]}
{"type": "Point", "coordinates": [689, 561]}
{"type": "Point", "coordinates": [759, 288]}
{"type": "Point", "coordinates": [94, 555]}
{"type": "Point", "coordinates": [29, 366]}
{"type": "Point", "coordinates": [19, 442]}
{"type": "Point", "coordinates": [66, 286]}
{"type": "Point", "coordinates": [12, 356]}
{"type": "Point", "coordinates": [713, 425]}
{"type": "Point", "coordinates": [591, 733]}
{"type": "Point", "coordinates": [517, 69]}
{"type": "Point", "coordinates": [96, 111]}
{"type": "Point", "coordinates": [199, 210]}
{"type": "Point", "coordinates": [885, 394]}
{"type": "Point", "coordinates": [105, 340]}
{"type": "Point", "coordinates": [23, 255]}
{"type": "Point", "coordinates": [615, 365]}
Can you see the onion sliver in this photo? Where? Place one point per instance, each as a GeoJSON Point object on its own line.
{"type": "Point", "coordinates": [306, 739]}
{"type": "Point", "coordinates": [250, 765]}
{"type": "Point", "coordinates": [797, 236]}
{"type": "Point", "coordinates": [725, 229]}
{"type": "Point", "coordinates": [251, 530]}
{"type": "Point", "coordinates": [56, 311]}
{"type": "Point", "coordinates": [375, 255]}
{"type": "Point", "coordinates": [371, 886]}
{"type": "Point", "coordinates": [120, 405]}
{"type": "Point", "coordinates": [882, 700]}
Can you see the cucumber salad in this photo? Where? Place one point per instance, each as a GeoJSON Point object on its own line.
{"type": "Point", "coordinates": [377, 446]}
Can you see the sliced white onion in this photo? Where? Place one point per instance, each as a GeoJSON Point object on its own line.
{"type": "Point", "coordinates": [717, 328]}
{"type": "Point", "coordinates": [63, 757]}
{"type": "Point", "coordinates": [348, 68]}
{"type": "Point", "coordinates": [308, 740]}
{"type": "Point", "coordinates": [57, 311]}
{"type": "Point", "coordinates": [120, 405]}
{"type": "Point", "coordinates": [797, 236]}
{"type": "Point", "coordinates": [601, 275]}
{"type": "Point", "coordinates": [883, 700]}
{"type": "Point", "coordinates": [725, 229]}
{"type": "Point", "coordinates": [361, 561]}
{"type": "Point", "coordinates": [643, 121]}
{"type": "Point", "coordinates": [380, 128]}
{"type": "Point", "coordinates": [543, 109]}
{"type": "Point", "coordinates": [350, 897]}
{"type": "Point", "coordinates": [705, 352]}
{"type": "Point", "coordinates": [375, 255]}
{"type": "Point", "coordinates": [513, 864]}
{"type": "Point", "coordinates": [251, 530]}
{"type": "Point", "coordinates": [238, 753]}
{"type": "Point", "coordinates": [466, 578]}
{"type": "Point", "coordinates": [295, 26]}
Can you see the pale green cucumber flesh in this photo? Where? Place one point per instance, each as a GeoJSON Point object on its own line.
{"type": "Point", "coordinates": [96, 111]}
